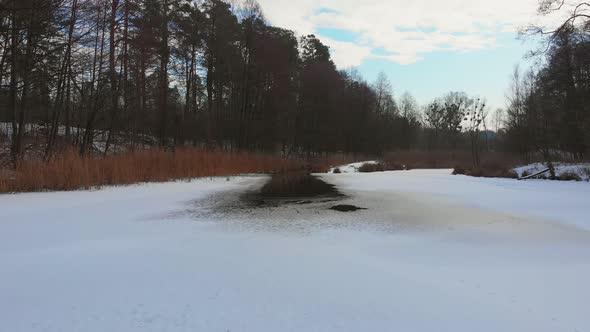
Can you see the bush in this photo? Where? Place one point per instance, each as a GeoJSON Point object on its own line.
{"type": "Point", "coordinates": [569, 176]}
{"type": "Point", "coordinates": [337, 171]}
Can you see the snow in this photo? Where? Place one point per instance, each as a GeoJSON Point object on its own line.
{"type": "Point", "coordinates": [31, 128]}
{"type": "Point", "coordinates": [5, 129]}
{"type": "Point", "coordinates": [559, 201]}
{"type": "Point", "coordinates": [433, 252]}
{"type": "Point", "coordinates": [99, 141]}
{"type": "Point", "coordinates": [582, 170]}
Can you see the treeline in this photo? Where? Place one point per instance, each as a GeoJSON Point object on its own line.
{"type": "Point", "coordinates": [549, 107]}
{"type": "Point", "coordinates": [185, 72]}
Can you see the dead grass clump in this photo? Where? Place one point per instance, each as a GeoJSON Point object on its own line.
{"type": "Point", "coordinates": [70, 171]}
{"type": "Point", "coordinates": [488, 169]}
{"type": "Point", "coordinates": [393, 166]}
{"type": "Point", "coordinates": [371, 168]}
{"type": "Point", "coordinates": [381, 167]}
{"type": "Point", "coordinates": [569, 176]}
{"type": "Point", "coordinates": [458, 170]}
{"type": "Point", "coordinates": [486, 172]}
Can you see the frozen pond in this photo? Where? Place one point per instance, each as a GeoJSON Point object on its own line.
{"type": "Point", "coordinates": [431, 252]}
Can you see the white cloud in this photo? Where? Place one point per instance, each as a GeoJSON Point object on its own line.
{"type": "Point", "coordinates": [406, 30]}
{"type": "Point", "coordinates": [346, 54]}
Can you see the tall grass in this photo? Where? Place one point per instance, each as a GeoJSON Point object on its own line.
{"type": "Point", "coordinates": [71, 171]}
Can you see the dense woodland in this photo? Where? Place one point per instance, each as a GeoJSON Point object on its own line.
{"type": "Point", "coordinates": [185, 72]}
{"type": "Point", "coordinates": [205, 73]}
{"type": "Point", "coordinates": [549, 106]}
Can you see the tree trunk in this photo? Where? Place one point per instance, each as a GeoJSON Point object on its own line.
{"type": "Point", "coordinates": [96, 77]}
{"type": "Point", "coordinates": [13, 84]}
{"type": "Point", "coordinates": [112, 72]}
{"type": "Point", "coordinates": [164, 58]}
{"type": "Point", "coordinates": [68, 60]}
{"type": "Point", "coordinates": [28, 56]}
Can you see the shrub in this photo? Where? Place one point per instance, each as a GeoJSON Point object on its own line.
{"type": "Point", "coordinates": [525, 174]}
{"type": "Point", "coordinates": [337, 171]}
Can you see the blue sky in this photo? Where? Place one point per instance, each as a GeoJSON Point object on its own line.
{"type": "Point", "coordinates": [481, 73]}
{"type": "Point", "coordinates": [426, 47]}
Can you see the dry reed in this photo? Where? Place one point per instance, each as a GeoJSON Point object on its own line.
{"type": "Point", "coordinates": [70, 171]}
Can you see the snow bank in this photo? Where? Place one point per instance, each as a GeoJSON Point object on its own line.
{"type": "Point", "coordinates": [352, 168]}
{"type": "Point", "coordinates": [582, 170]}
{"type": "Point", "coordinates": [157, 257]}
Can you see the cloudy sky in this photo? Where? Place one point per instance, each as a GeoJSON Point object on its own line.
{"type": "Point", "coordinates": [427, 47]}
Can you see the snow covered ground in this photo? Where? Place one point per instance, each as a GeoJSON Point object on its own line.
{"type": "Point", "coordinates": [582, 170]}
{"type": "Point", "coordinates": [433, 252]}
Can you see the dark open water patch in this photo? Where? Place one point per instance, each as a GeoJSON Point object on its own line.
{"type": "Point", "coordinates": [297, 185]}
{"type": "Point", "coordinates": [346, 208]}
{"type": "Point", "coordinates": [295, 188]}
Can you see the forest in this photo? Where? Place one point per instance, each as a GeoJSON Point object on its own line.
{"type": "Point", "coordinates": [101, 76]}
{"type": "Point", "coordinates": [182, 72]}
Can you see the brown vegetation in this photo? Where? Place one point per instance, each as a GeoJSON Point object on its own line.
{"type": "Point", "coordinates": [569, 176]}
{"type": "Point", "coordinates": [372, 168]}
{"type": "Point", "coordinates": [488, 169]}
{"type": "Point", "coordinates": [71, 171]}
{"type": "Point", "coordinates": [492, 165]}
{"type": "Point", "coordinates": [487, 172]}
{"type": "Point", "coordinates": [447, 159]}
{"type": "Point", "coordinates": [381, 166]}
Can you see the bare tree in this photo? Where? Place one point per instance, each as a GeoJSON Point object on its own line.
{"type": "Point", "coordinates": [473, 121]}
{"type": "Point", "coordinates": [576, 12]}
{"type": "Point", "coordinates": [385, 101]}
